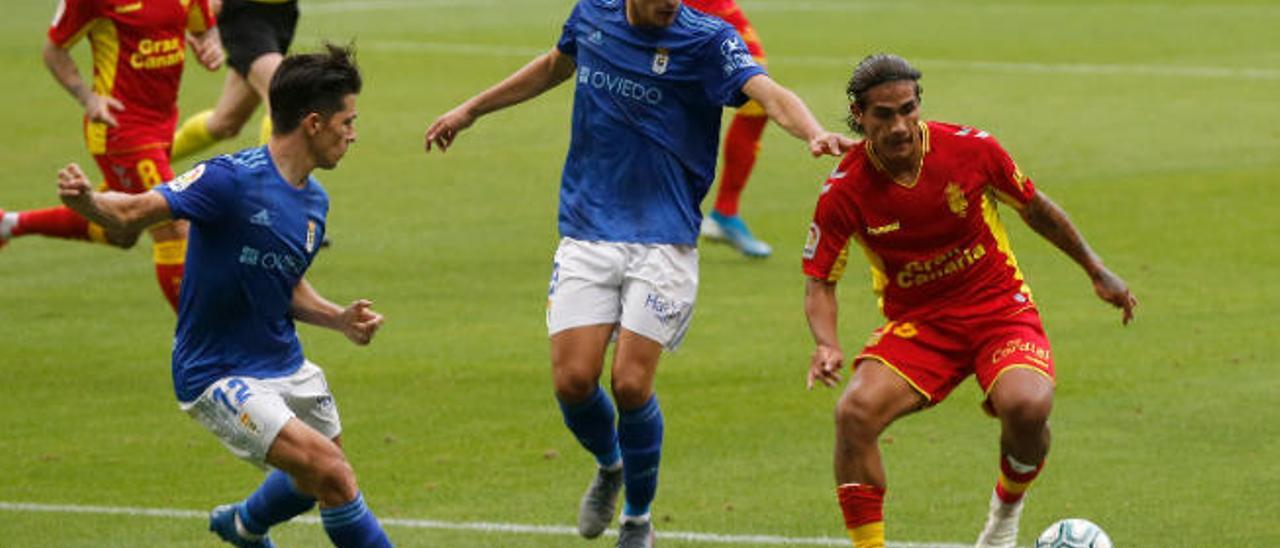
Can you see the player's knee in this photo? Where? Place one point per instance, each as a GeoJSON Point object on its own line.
{"type": "Point", "coordinates": [334, 481]}
{"type": "Point", "coordinates": [630, 392]}
{"type": "Point", "coordinates": [857, 418]}
{"type": "Point", "coordinates": [1026, 410]}
{"type": "Point", "coordinates": [573, 387]}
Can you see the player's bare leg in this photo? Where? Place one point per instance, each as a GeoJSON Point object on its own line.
{"type": "Point", "coordinates": [234, 107]}
{"type": "Point", "coordinates": [874, 398]}
{"type": "Point", "coordinates": [577, 360]}
{"type": "Point", "coordinates": [239, 99]}
{"type": "Point", "coordinates": [319, 468]}
{"type": "Point", "coordinates": [1022, 400]}
{"type": "Point", "coordinates": [640, 429]}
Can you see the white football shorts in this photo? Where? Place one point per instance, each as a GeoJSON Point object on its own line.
{"type": "Point", "coordinates": [649, 289]}
{"type": "Point", "coordinates": [246, 413]}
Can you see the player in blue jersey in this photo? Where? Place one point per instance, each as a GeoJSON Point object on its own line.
{"type": "Point", "coordinates": [652, 78]}
{"type": "Point", "coordinates": [257, 218]}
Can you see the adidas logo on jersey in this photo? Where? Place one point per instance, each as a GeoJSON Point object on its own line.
{"type": "Point", "coordinates": [261, 218]}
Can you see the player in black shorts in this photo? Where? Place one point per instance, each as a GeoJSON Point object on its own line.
{"type": "Point", "coordinates": [256, 35]}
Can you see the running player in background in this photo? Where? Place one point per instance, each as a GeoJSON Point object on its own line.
{"type": "Point", "coordinates": [257, 218]}
{"type": "Point", "coordinates": [257, 34]}
{"type": "Point", "coordinates": [920, 199]}
{"type": "Point", "coordinates": [652, 78]}
{"type": "Point", "coordinates": [129, 112]}
{"type": "Point", "coordinates": [741, 144]}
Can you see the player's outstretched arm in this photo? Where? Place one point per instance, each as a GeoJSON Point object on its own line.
{"type": "Point", "coordinates": [785, 107]}
{"type": "Point", "coordinates": [115, 211]}
{"type": "Point", "coordinates": [357, 321]}
{"type": "Point", "coordinates": [1050, 221]}
{"type": "Point", "coordinates": [820, 308]}
{"type": "Point", "coordinates": [97, 108]}
{"type": "Point", "coordinates": [543, 73]}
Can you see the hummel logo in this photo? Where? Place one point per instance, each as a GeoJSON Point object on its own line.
{"type": "Point", "coordinates": [837, 174]}
{"type": "Point", "coordinates": [261, 218]}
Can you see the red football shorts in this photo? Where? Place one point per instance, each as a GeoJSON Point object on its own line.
{"type": "Point", "coordinates": [137, 171]}
{"type": "Point", "coordinates": [936, 355]}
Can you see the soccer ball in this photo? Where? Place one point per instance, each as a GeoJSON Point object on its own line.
{"type": "Point", "coordinates": [1073, 533]}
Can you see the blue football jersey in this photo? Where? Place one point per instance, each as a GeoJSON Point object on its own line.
{"type": "Point", "coordinates": [646, 121]}
{"type": "Point", "coordinates": [253, 236]}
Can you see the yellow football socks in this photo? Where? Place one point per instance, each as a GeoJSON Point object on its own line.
{"type": "Point", "coordinates": [193, 136]}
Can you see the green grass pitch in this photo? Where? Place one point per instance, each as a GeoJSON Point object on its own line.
{"type": "Point", "coordinates": [1153, 122]}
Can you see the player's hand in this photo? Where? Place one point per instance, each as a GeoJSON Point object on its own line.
{"type": "Point", "coordinates": [830, 144]}
{"type": "Point", "coordinates": [98, 108]}
{"type": "Point", "coordinates": [215, 6]}
{"type": "Point", "coordinates": [445, 129]}
{"type": "Point", "coordinates": [1112, 289]}
{"type": "Point", "coordinates": [208, 49]}
{"type": "Point", "coordinates": [74, 187]}
{"type": "Point", "coordinates": [824, 366]}
{"type": "Point", "coordinates": [359, 322]}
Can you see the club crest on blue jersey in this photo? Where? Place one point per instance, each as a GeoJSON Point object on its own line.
{"type": "Point", "coordinates": [181, 182]}
{"type": "Point", "coordinates": [660, 60]}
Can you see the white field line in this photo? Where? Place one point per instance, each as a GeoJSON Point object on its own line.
{"type": "Point", "coordinates": [479, 527]}
{"type": "Point", "coordinates": [1169, 71]}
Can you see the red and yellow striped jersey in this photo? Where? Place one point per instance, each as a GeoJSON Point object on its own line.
{"type": "Point", "coordinates": [936, 246]}
{"type": "Point", "coordinates": [138, 50]}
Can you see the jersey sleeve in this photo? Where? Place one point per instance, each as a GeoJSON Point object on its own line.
{"type": "Point", "coordinates": [200, 17]}
{"type": "Point", "coordinates": [727, 65]}
{"type": "Point", "coordinates": [826, 247]}
{"type": "Point", "coordinates": [568, 43]}
{"type": "Point", "coordinates": [72, 20]}
{"type": "Point", "coordinates": [202, 195]}
{"type": "Point", "coordinates": [1010, 185]}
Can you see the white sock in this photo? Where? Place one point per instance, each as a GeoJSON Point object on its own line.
{"type": "Point", "coordinates": [636, 519]}
{"type": "Point", "coordinates": [7, 223]}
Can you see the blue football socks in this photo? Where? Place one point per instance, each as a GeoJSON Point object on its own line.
{"type": "Point", "coordinates": [276, 501]}
{"type": "Point", "coordinates": [640, 434]}
{"type": "Point", "coordinates": [353, 525]}
{"type": "Point", "coordinates": [591, 422]}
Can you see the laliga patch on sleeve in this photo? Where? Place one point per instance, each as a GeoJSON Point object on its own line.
{"type": "Point", "coordinates": [811, 242]}
{"type": "Point", "coordinates": [181, 182]}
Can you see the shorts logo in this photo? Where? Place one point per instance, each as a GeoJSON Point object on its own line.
{"type": "Point", "coordinates": [811, 241]}
{"type": "Point", "coordinates": [595, 37]}
{"type": "Point", "coordinates": [666, 310]}
{"type": "Point", "coordinates": [181, 182]}
{"type": "Point", "coordinates": [1031, 352]}
{"type": "Point", "coordinates": [660, 60]}
{"type": "Point", "coordinates": [248, 423]}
